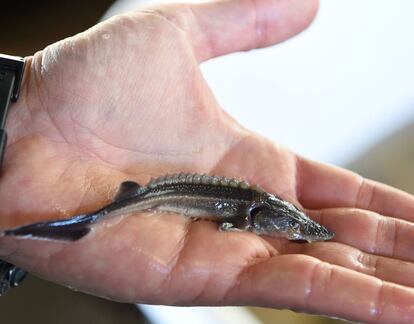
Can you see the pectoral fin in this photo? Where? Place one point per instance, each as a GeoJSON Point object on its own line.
{"type": "Point", "coordinates": [236, 223]}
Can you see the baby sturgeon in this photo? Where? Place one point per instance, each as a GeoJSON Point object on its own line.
{"type": "Point", "coordinates": [234, 204]}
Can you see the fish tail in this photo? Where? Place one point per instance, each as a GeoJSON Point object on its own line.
{"type": "Point", "coordinates": [71, 229]}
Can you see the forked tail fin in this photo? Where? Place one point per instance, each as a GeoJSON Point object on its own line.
{"type": "Point", "coordinates": [70, 229]}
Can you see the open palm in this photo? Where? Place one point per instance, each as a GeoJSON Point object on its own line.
{"type": "Point", "coordinates": [126, 100]}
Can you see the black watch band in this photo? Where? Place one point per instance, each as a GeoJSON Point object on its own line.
{"type": "Point", "coordinates": [11, 74]}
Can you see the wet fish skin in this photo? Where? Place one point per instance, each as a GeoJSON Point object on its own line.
{"type": "Point", "coordinates": [234, 204]}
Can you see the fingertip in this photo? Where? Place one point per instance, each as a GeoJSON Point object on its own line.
{"type": "Point", "coordinates": [284, 19]}
{"type": "Point", "coordinates": [311, 10]}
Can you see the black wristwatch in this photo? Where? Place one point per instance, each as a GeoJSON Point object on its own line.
{"type": "Point", "coordinates": [11, 74]}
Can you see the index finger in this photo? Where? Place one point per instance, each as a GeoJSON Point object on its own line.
{"type": "Point", "coordinates": [324, 186]}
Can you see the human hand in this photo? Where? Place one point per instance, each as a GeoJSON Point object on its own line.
{"type": "Point", "coordinates": [126, 101]}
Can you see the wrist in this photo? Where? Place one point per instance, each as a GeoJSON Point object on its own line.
{"type": "Point", "coordinates": [16, 124]}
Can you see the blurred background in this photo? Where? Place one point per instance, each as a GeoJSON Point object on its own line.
{"type": "Point", "coordinates": [341, 92]}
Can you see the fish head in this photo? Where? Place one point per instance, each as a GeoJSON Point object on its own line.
{"type": "Point", "coordinates": [278, 218]}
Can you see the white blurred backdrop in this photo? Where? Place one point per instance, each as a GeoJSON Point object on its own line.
{"type": "Point", "coordinates": [332, 91]}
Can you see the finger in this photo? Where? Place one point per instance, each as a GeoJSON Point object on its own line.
{"type": "Point", "coordinates": [391, 270]}
{"type": "Point", "coordinates": [219, 27]}
{"type": "Point", "coordinates": [323, 186]}
{"type": "Point", "coordinates": [369, 232]}
{"type": "Point", "coordinates": [308, 284]}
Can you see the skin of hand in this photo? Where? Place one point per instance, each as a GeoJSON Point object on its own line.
{"type": "Point", "coordinates": [126, 100]}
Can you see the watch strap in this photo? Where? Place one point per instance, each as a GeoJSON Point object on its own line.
{"type": "Point", "coordinates": [11, 74]}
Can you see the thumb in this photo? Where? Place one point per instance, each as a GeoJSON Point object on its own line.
{"type": "Point", "coordinates": [220, 27]}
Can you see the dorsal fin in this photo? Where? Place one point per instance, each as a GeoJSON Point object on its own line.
{"type": "Point", "coordinates": [126, 190]}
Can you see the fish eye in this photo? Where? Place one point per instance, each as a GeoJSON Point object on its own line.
{"type": "Point", "coordinates": [295, 225]}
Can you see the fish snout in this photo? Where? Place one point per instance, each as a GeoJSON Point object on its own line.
{"type": "Point", "coordinates": [314, 232]}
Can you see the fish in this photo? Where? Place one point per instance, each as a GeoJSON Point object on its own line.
{"type": "Point", "coordinates": [234, 204]}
